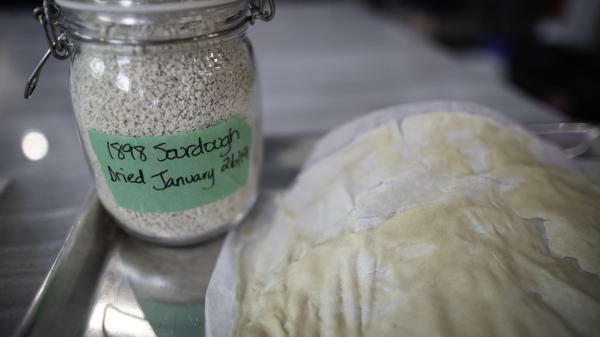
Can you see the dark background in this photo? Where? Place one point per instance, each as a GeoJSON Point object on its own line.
{"type": "Point", "coordinates": [550, 49]}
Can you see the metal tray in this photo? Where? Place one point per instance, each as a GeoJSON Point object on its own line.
{"type": "Point", "coordinates": [106, 283]}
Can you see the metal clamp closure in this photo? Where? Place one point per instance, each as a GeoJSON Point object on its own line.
{"type": "Point", "coordinates": [59, 46]}
{"type": "Point", "coordinates": [261, 9]}
{"type": "Point", "coordinates": [47, 15]}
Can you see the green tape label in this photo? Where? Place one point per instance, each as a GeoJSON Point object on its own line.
{"type": "Point", "coordinates": [175, 172]}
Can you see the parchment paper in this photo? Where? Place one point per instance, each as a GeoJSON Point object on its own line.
{"type": "Point", "coordinates": [221, 305]}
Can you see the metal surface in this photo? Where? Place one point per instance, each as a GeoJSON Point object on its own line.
{"type": "Point", "coordinates": [106, 283]}
{"type": "Point", "coordinates": [73, 276]}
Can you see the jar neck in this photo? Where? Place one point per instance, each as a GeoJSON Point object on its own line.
{"type": "Point", "coordinates": [155, 27]}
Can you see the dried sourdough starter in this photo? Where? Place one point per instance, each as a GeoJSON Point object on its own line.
{"type": "Point", "coordinates": [446, 225]}
{"type": "Point", "coordinates": [164, 90]}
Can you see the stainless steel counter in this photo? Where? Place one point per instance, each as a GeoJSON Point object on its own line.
{"type": "Point", "coordinates": [320, 65]}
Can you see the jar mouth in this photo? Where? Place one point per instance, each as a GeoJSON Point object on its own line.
{"type": "Point", "coordinates": [128, 6]}
{"type": "Point", "coordinates": [149, 25]}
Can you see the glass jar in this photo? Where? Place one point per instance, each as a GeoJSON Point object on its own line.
{"type": "Point", "coordinates": [166, 99]}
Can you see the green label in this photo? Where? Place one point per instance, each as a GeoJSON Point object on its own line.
{"type": "Point", "coordinates": [175, 172]}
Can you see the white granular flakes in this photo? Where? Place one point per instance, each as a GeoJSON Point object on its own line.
{"type": "Point", "coordinates": [163, 90]}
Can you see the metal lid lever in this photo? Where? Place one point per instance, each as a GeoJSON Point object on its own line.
{"type": "Point", "coordinates": [32, 81]}
{"type": "Point", "coordinates": [59, 46]}
{"type": "Point", "coordinates": [262, 9]}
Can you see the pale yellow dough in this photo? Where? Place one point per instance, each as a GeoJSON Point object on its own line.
{"type": "Point", "coordinates": [447, 225]}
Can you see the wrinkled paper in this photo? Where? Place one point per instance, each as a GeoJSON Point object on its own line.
{"type": "Point", "coordinates": [221, 303]}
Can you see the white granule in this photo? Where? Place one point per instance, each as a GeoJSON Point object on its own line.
{"type": "Point", "coordinates": [162, 90]}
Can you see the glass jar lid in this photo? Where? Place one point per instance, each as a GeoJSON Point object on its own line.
{"type": "Point", "coordinates": [130, 20]}
{"type": "Point", "coordinates": [150, 21]}
{"type": "Point", "coordinates": [141, 6]}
